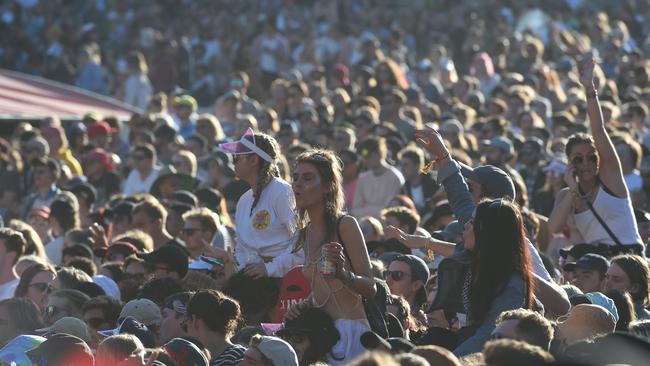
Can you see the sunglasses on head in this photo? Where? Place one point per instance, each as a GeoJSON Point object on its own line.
{"type": "Point", "coordinates": [592, 158]}
{"type": "Point", "coordinates": [394, 275]}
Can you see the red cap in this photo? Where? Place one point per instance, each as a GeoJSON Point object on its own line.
{"type": "Point", "coordinates": [99, 154]}
{"type": "Point", "coordinates": [100, 128]}
{"type": "Point", "coordinates": [294, 288]}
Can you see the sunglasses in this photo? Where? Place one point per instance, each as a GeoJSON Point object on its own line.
{"type": "Point", "coordinates": [42, 287]}
{"type": "Point", "coordinates": [189, 231]}
{"type": "Point", "coordinates": [592, 158]}
{"type": "Point", "coordinates": [394, 275]}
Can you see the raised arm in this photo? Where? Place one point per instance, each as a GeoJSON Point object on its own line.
{"type": "Point", "coordinates": [610, 171]}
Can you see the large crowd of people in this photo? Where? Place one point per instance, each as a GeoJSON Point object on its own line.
{"type": "Point", "coordinates": [330, 183]}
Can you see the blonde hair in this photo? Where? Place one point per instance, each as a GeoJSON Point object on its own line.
{"type": "Point", "coordinates": [189, 158]}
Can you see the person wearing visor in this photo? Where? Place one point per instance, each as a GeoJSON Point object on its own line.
{"type": "Point", "coordinates": [265, 217]}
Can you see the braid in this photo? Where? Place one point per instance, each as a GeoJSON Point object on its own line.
{"type": "Point", "coordinates": [268, 170]}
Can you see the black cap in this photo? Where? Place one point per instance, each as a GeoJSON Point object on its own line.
{"type": "Point", "coordinates": [84, 190]}
{"type": "Point", "coordinates": [171, 255]}
{"type": "Point", "coordinates": [62, 349]}
{"type": "Point", "coordinates": [591, 262]}
{"type": "Point", "coordinates": [131, 326]}
{"type": "Point", "coordinates": [185, 197]}
{"type": "Point", "coordinates": [372, 341]}
{"type": "Point", "coordinates": [578, 250]}
{"type": "Point", "coordinates": [210, 198]}
{"type": "Point", "coordinates": [79, 250]}
{"type": "Point", "coordinates": [124, 208]}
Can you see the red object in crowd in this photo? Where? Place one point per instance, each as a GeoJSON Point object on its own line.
{"type": "Point", "coordinates": [293, 289]}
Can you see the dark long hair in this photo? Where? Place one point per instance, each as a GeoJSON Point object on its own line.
{"type": "Point", "coordinates": [329, 168]}
{"type": "Point", "coordinates": [268, 170]}
{"type": "Point", "coordinates": [500, 251]}
{"type": "Point", "coordinates": [636, 268]}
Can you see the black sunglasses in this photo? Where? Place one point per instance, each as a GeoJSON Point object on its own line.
{"type": "Point", "coordinates": [189, 231]}
{"type": "Point", "coordinates": [592, 158]}
{"type": "Point", "coordinates": [394, 275]}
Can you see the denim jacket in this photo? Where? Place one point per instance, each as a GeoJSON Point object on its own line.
{"type": "Point", "coordinates": [512, 297]}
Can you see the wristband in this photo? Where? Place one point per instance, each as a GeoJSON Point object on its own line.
{"type": "Point", "coordinates": [427, 168]}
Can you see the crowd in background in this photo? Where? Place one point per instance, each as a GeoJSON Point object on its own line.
{"type": "Point", "coordinates": [478, 170]}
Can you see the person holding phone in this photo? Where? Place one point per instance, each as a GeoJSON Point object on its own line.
{"type": "Point", "coordinates": [596, 195]}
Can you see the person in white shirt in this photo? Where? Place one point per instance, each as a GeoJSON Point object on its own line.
{"type": "Point", "coordinates": [377, 185]}
{"type": "Point", "coordinates": [145, 171]}
{"type": "Point", "coordinates": [265, 217]}
{"type": "Point", "coordinates": [12, 246]}
{"type": "Point", "coordinates": [137, 88]}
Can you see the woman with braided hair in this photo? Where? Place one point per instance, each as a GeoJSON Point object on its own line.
{"type": "Point", "coordinates": [265, 217]}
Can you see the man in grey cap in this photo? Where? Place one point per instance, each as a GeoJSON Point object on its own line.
{"type": "Point", "coordinates": [407, 276]}
{"type": "Point", "coordinates": [498, 151]}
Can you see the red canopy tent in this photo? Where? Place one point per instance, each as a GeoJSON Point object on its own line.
{"type": "Point", "coordinates": [26, 97]}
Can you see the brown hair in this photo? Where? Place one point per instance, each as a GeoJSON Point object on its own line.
{"type": "Point", "coordinates": [329, 168]}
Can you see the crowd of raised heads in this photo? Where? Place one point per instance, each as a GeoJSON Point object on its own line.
{"type": "Point", "coordinates": [330, 183]}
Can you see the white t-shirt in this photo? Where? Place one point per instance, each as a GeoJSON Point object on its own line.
{"type": "Point", "coordinates": [270, 231]}
{"type": "Point", "coordinates": [7, 289]}
{"type": "Point", "coordinates": [134, 184]}
{"type": "Point", "coordinates": [54, 249]}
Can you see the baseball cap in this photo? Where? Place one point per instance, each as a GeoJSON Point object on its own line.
{"type": "Point", "coordinates": [13, 353]}
{"type": "Point", "coordinates": [278, 351]}
{"type": "Point", "coordinates": [578, 250]}
{"type": "Point", "coordinates": [502, 143]}
{"type": "Point", "coordinates": [452, 126]}
{"type": "Point", "coordinates": [67, 325]}
{"type": "Point", "coordinates": [224, 161]}
{"type": "Point", "coordinates": [178, 302]}
{"type": "Point", "coordinates": [100, 128]}
{"type": "Point", "coordinates": [38, 143]}
{"type": "Point", "coordinates": [372, 341]}
{"type": "Point", "coordinates": [186, 181]}
{"type": "Point", "coordinates": [599, 299]}
{"type": "Point", "coordinates": [109, 286]}
{"type": "Point", "coordinates": [419, 271]}
{"type": "Point", "coordinates": [294, 287]}
{"type": "Point", "coordinates": [63, 349]}
{"type": "Point", "coordinates": [171, 255]}
{"type": "Point", "coordinates": [185, 353]}
{"type": "Point", "coordinates": [84, 190]}
{"type": "Point", "coordinates": [449, 232]}
{"type": "Point", "coordinates": [591, 262]}
{"type": "Point", "coordinates": [132, 326]}
{"type": "Point", "coordinates": [185, 197]}
{"type": "Point", "coordinates": [495, 181]}
{"type": "Point", "coordinates": [142, 310]}
{"type": "Point", "coordinates": [99, 155]}
{"type": "Point", "coordinates": [186, 100]}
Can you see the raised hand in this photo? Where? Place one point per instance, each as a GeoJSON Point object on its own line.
{"type": "Point", "coordinates": [411, 241]}
{"type": "Point", "coordinates": [587, 73]}
{"type": "Point", "coordinates": [431, 140]}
